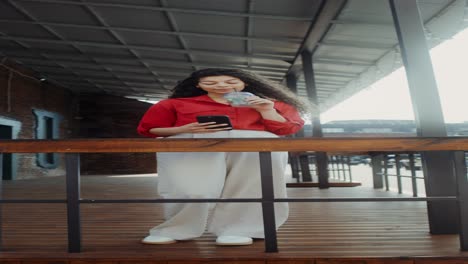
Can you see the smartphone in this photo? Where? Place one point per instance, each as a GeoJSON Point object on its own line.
{"type": "Point", "coordinates": [219, 119]}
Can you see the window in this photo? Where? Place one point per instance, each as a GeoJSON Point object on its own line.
{"type": "Point", "coordinates": [47, 127]}
{"type": "Point", "coordinates": [9, 129]}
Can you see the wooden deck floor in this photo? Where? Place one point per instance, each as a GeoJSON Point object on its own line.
{"type": "Point", "coordinates": [394, 231]}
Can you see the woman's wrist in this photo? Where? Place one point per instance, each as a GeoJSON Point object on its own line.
{"type": "Point", "coordinates": [272, 114]}
{"type": "Point", "coordinates": [166, 131]}
{"type": "Point", "coordinates": [177, 130]}
{"type": "Point", "coordinates": [268, 111]}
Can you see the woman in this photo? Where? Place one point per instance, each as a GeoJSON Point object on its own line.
{"type": "Point", "coordinates": [270, 112]}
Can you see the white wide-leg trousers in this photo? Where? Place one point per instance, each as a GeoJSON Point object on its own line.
{"type": "Point", "coordinates": [217, 175]}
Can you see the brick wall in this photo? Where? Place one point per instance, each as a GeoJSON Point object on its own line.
{"type": "Point", "coordinates": [83, 116]}
{"type": "Point", "coordinates": [19, 95]}
{"type": "Point", "coordinates": [113, 117]}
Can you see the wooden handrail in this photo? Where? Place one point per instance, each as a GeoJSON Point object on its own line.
{"type": "Point", "coordinates": [342, 145]}
{"type": "Point", "coordinates": [262, 145]}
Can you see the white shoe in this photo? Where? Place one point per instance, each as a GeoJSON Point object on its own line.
{"type": "Point", "coordinates": [233, 241]}
{"type": "Point", "coordinates": [158, 240]}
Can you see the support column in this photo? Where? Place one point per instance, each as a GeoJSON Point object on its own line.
{"type": "Point", "coordinates": [73, 201]}
{"type": "Point", "coordinates": [376, 162]}
{"type": "Point", "coordinates": [437, 166]}
{"type": "Point", "coordinates": [1, 197]}
{"type": "Point", "coordinates": [459, 167]}
{"type": "Point", "coordinates": [296, 160]}
{"type": "Point", "coordinates": [268, 204]}
{"type": "Point", "coordinates": [321, 158]}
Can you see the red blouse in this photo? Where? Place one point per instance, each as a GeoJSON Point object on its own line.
{"type": "Point", "coordinates": [181, 111]}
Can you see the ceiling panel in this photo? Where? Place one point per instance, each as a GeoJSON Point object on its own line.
{"type": "Point", "coordinates": [54, 12]}
{"type": "Point", "coordinates": [149, 39]}
{"type": "Point", "coordinates": [209, 23]}
{"type": "Point", "coordinates": [25, 30]}
{"type": "Point", "coordinates": [379, 34]}
{"type": "Point", "coordinates": [160, 55]}
{"type": "Point", "coordinates": [139, 18]}
{"type": "Point", "coordinates": [301, 9]}
{"type": "Point", "coordinates": [7, 11]}
{"type": "Point", "coordinates": [136, 2]}
{"type": "Point", "coordinates": [213, 5]}
{"type": "Point", "coordinates": [262, 27]}
{"type": "Point", "coordinates": [86, 35]}
{"type": "Point", "coordinates": [216, 44]}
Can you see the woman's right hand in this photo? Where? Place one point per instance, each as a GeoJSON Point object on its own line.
{"type": "Point", "coordinates": [189, 128]}
{"type": "Point", "coordinates": [208, 127]}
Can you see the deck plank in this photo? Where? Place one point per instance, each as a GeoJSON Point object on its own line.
{"type": "Point", "coordinates": [327, 232]}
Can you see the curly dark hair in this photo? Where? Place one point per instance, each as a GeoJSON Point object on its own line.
{"type": "Point", "coordinates": [255, 84]}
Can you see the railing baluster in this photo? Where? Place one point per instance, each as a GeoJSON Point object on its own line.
{"type": "Point", "coordinates": [343, 160]}
{"type": "Point", "coordinates": [348, 162]}
{"type": "Point", "coordinates": [73, 202]}
{"type": "Point", "coordinates": [414, 182]}
{"type": "Point", "coordinates": [294, 163]}
{"type": "Point", "coordinates": [333, 169]}
{"type": "Point", "coordinates": [268, 205]}
{"type": "Point", "coordinates": [398, 173]}
{"type": "Point", "coordinates": [338, 167]}
{"type": "Point", "coordinates": [305, 167]}
{"type": "Point", "coordinates": [387, 184]}
{"type": "Point", "coordinates": [1, 197]}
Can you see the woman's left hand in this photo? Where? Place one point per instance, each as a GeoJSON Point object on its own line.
{"type": "Point", "coordinates": [260, 104]}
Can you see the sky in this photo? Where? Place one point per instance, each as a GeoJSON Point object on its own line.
{"type": "Point", "coordinates": [389, 97]}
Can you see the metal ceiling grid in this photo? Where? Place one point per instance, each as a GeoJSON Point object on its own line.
{"type": "Point", "coordinates": [126, 48]}
{"type": "Point", "coordinates": [140, 48]}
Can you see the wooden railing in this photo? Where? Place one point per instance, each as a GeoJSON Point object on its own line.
{"type": "Point", "coordinates": [338, 145]}
{"type": "Point", "coordinates": [73, 147]}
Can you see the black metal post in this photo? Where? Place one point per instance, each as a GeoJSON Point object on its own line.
{"type": "Point", "coordinates": [268, 205]}
{"type": "Point", "coordinates": [343, 159]}
{"type": "Point", "coordinates": [459, 165]}
{"type": "Point", "coordinates": [414, 182]}
{"type": "Point", "coordinates": [398, 172]}
{"type": "Point", "coordinates": [348, 162]}
{"type": "Point", "coordinates": [338, 171]}
{"type": "Point", "coordinates": [332, 162]}
{"type": "Point", "coordinates": [439, 179]}
{"type": "Point", "coordinates": [291, 82]}
{"type": "Point", "coordinates": [321, 161]}
{"type": "Point", "coordinates": [293, 162]}
{"type": "Point", "coordinates": [322, 169]}
{"type": "Point", "coordinates": [73, 201]}
{"type": "Point", "coordinates": [305, 167]}
{"type": "Point", "coordinates": [385, 175]}
{"type": "Point", "coordinates": [338, 167]}
{"type": "Point", "coordinates": [1, 197]}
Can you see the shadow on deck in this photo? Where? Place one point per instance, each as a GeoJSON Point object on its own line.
{"type": "Point", "coordinates": [338, 232]}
